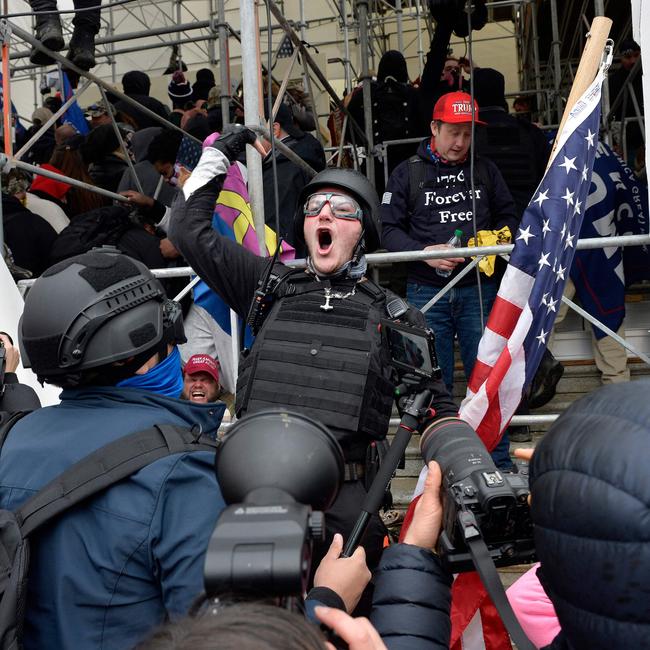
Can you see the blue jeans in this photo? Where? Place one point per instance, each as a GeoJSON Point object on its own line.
{"type": "Point", "coordinates": [458, 314]}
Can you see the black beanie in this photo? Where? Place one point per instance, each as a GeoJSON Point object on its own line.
{"type": "Point", "coordinates": [179, 88]}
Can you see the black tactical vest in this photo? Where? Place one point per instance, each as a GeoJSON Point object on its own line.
{"type": "Point", "coordinates": [329, 365]}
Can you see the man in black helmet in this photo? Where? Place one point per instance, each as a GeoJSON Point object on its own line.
{"type": "Point", "coordinates": [106, 572]}
{"type": "Point", "coordinates": [318, 346]}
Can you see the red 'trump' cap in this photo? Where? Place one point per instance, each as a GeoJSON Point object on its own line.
{"type": "Point", "coordinates": [455, 108]}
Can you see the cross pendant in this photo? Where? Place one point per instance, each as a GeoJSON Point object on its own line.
{"type": "Point", "coordinates": [328, 295]}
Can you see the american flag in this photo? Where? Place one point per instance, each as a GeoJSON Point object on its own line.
{"type": "Point", "coordinates": [518, 330]}
{"type": "Point", "coordinates": [530, 294]}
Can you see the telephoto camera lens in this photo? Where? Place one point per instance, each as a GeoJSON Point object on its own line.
{"type": "Point", "coordinates": [466, 464]}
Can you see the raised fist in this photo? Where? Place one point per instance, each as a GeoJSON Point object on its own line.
{"type": "Point", "coordinates": [233, 140]}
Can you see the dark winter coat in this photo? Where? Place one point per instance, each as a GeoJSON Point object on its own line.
{"type": "Point", "coordinates": [29, 237]}
{"type": "Point", "coordinates": [412, 599]}
{"type": "Point", "coordinates": [136, 85]}
{"type": "Point", "coordinates": [443, 204]}
{"type": "Point", "coordinates": [590, 491]}
{"type": "Point", "coordinates": [110, 570]}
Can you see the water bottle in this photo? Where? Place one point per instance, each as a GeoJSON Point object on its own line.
{"type": "Point", "coordinates": [454, 242]}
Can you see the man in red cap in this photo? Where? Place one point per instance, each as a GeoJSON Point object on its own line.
{"type": "Point", "coordinates": [201, 380]}
{"type": "Point", "coordinates": [427, 200]}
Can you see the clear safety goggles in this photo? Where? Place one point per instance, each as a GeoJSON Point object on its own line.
{"type": "Point", "coordinates": [341, 205]}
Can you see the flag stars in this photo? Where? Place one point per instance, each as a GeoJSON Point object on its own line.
{"type": "Point", "coordinates": [541, 197]}
{"type": "Point", "coordinates": [584, 172]}
{"type": "Point", "coordinates": [525, 234]}
{"type": "Point", "coordinates": [569, 241]}
{"type": "Point", "coordinates": [543, 261]}
{"type": "Point", "coordinates": [568, 197]}
{"type": "Point", "coordinates": [550, 306]}
{"type": "Point", "coordinates": [568, 164]}
{"type": "Point", "coordinates": [590, 139]}
{"type": "Point", "coordinates": [576, 209]}
{"type": "Point", "coordinates": [560, 273]}
{"type": "Point", "coordinates": [542, 337]}
{"type": "Point", "coordinates": [563, 231]}
{"type": "Point", "coordinates": [545, 227]}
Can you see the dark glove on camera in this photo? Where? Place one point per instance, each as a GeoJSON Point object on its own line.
{"type": "Point", "coordinates": [233, 140]}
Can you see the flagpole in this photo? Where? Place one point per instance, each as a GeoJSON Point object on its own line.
{"type": "Point", "coordinates": [587, 69]}
{"type": "Point", "coordinates": [6, 93]}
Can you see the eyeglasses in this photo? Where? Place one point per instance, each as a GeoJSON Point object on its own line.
{"type": "Point", "coordinates": [342, 206]}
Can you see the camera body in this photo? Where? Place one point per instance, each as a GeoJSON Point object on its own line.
{"type": "Point", "coordinates": [263, 546]}
{"type": "Point", "coordinates": [278, 471]}
{"type": "Point", "coordinates": [478, 499]}
{"type": "Point", "coordinates": [499, 503]}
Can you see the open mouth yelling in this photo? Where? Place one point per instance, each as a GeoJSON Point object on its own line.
{"type": "Point", "coordinates": [198, 395]}
{"type": "Point", "coordinates": [324, 241]}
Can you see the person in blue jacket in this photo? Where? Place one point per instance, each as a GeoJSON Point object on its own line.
{"type": "Point", "coordinates": [109, 570]}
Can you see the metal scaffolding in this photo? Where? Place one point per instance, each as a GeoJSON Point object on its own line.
{"type": "Point", "coordinates": [363, 25]}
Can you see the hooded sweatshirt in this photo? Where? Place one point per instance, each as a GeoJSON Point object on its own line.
{"type": "Point", "coordinates": [136, 85]}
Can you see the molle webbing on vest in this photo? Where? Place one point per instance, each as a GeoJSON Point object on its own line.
{"type": "Point", "coordinates": [329, 365]}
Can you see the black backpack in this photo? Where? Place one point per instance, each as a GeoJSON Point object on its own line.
{"type": "Point", "coordinates": [96, 472]}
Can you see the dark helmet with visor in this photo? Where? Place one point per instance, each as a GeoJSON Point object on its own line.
{"type": "Point", "coordinates": [351, 182]}
{"type": "Point", "coordinates": [90, 311]}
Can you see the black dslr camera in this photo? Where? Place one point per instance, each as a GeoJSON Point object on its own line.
{"type": "Point", "coordinates": [277, 471]}
{"type": "Point", "coordinates": [479, 500]}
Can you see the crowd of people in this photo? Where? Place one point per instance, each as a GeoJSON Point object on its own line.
{"type": "Point", "coordinates": [108, 571]}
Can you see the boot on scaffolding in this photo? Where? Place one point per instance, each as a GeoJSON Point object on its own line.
{"type": "Point", "coordinates": [49, 33]}
{"type": "Point", "coordinates": [82, 48]}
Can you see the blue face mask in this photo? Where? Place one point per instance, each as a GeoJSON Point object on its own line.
{"type": "Point", "coordinates": [165, 378]}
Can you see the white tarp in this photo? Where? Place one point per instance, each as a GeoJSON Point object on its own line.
{"type": "Point", "coordinates": [641, 34]}
{"type": "Point", "coordinates": [11, 307]}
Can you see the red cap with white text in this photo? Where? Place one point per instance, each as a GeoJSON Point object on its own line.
{"type": "Point", "coordinates": [202, 363]}
{"type": "Point", "coordinates": [455, 108]}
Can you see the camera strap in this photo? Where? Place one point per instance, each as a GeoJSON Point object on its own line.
{"type": "Point", "coordinates": [490, 578]}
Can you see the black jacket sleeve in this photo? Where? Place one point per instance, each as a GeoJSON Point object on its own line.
{"type": "Point", "coordinates": [430, 79]}
{"type": "Point", "coordinates": [228, 268]}
{"type": "Point", "coordinates": [412, 599]}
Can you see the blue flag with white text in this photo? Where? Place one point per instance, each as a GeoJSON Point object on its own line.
{"type": "Point", "coordinates": [617, 205]}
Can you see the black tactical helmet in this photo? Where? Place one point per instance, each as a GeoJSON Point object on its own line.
{"type": "Point", "coordinates": [89, 311]}
{"type": "Point", "coordinates": [359, 187]}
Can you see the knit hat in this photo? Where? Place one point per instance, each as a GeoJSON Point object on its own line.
{"type": "Point", "coordinates": [179, 88]}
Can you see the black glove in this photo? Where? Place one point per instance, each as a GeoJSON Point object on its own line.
{"type": "Point", "coordinates": [233, 140]}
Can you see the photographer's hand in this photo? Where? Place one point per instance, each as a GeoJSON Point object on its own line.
{"type": "Point", "coordinates": [12, 356]}
{"type": "Point", "coordinates": [524, 453]}
{"type": "Point", "coordinates": [347, 576]}
{"type": "Point", "coordinates": [427, 519]}
{"type": "Point", "coordinates": [358, 633]}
